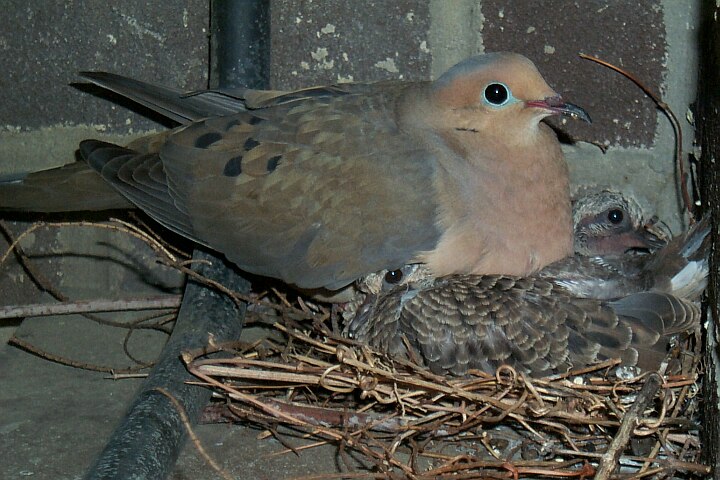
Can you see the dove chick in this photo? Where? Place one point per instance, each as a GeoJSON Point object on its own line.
{"type": "Point", "coordinates": [574, 313]}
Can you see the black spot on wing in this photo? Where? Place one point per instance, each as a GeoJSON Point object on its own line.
{"type": "Point", "coordinates": [243, 120]}
{"type": "Point", "coordinates": [250, 143]}
{"type": "Point", "coordinates": [233, 123]}
{"type": "Point", "coordinates": [207, 139]}
{"type": "Point", "coordinates": [273, 163]}
{"type": "Point", "coordinates": [233, 167]}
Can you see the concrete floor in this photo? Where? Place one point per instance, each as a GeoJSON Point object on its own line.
{"type": "Point", "coordinates": [54, 419]}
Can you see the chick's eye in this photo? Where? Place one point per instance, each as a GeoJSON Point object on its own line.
{"type": "Point", "coordinates": [496, 94]}
{"type": "Point", "coordinates": [615, 216]}
{"type": "Point", "coordinates": [393, 276]}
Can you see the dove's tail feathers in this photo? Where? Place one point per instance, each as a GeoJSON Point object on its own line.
{"type": "Point", "coordinates": [682, 267]}
{"type": "Point", "coordinates": [141, 179]}
{"type": "Point", "coordinates": [170, 102]}
{"type": "Point", "coordinates": [71, 188]}
{"type": "Point", "coordinates": [654, 319]}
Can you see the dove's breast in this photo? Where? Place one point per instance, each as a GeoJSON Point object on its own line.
{"type": "Point", "coordinates": [511, 216]}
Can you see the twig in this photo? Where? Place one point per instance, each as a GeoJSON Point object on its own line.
{"type": "Point", "coordinates": [673, 120]}
{"type": "Point", "coordinates": [161, 302]}
{"type": "Point", "coordinates": [44, 284]}
{"type": "Point", "coordinates": [323, 416]}
{"type": "Point", "coordinates": [294, 385]}
{"type": "Point", "coordinates": [70, 363]}
{"type": "Point", "coordinates": [609, 460]}
{"type": "Point", "coordinates": [196, 441]}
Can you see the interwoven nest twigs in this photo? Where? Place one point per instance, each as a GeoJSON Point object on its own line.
{"type": "Point", "coordinates": [507, 425]}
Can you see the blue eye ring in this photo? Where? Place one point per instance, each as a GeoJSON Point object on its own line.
{"type": "Point", "coordinates": [497, 94]}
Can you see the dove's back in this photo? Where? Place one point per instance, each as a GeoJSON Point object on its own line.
{"type": "Point", "coordinates": [299, 187]}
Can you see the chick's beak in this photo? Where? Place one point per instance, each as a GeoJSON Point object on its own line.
{"type": "Point", "coordinates": [643, 240]}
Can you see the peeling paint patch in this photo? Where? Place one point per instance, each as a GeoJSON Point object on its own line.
{"type": "Point", "coordinates": [327, 29]}
{"type": "Point", "coordinates": [320, 55]}
{"type": "Point", "coordinates": [141, 29]}
{"type": "Point", "coordinates": [387, 64]}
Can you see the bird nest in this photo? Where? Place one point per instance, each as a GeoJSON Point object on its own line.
{"type": "Point", "coordinates": [399, 420]}
{"type": "Point", "coordinates": [403, 421]}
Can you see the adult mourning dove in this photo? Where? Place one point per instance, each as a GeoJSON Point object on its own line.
{"type": "Point", "coordinates": [318, 187]}
{"type": "Point", "coordinates": [573, 313]}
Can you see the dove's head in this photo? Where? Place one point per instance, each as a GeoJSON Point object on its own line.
{"type": "Point", "coordinates": [499, 91]}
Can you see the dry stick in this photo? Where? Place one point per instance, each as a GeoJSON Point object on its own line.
{"type": "Point", "coordinates": [195, 440]}
{"type": "Point", "coordinates": [35, 276]}
{"type": "Point", "coordinates": [454, 466]}
{"type": "Point", "coordinates": [318, 416]}
{"type": "Point", "coordinates": [236, 297]}
{"type": "Point", "coordinates": [586, 471]}
{"type": "Point", "coordinates": [678, 404]}
{"type": "Point", "coordinates": [161, 302]}
{"type": "Point", "coordinates": [609, 459]}
{"type": "Point", "coordinates": [665, 462]}
{"type": "Point", "coordinates": [673, 120]}
{"type": "Point", "coordinates": [44, 284]}
{"type": "Point", "coordinates": [70, 363]}
{"type": "Point", "coordinates": [143, 226]}
{"type": "Point", "coordinates": [118, 226]}
{"type": "Point", "coordinates": [126, 350]}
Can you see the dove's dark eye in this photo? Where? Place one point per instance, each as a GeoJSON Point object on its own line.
{"type": "Point", "coordinates": [496, 94]}
{"type": "Point", "coordinates": [615, 216]}
{"type": "Point", "coordinates": [393, 276]}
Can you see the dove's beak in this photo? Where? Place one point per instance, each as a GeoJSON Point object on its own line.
{"type": "Point", "coordinates": [557, 106]}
